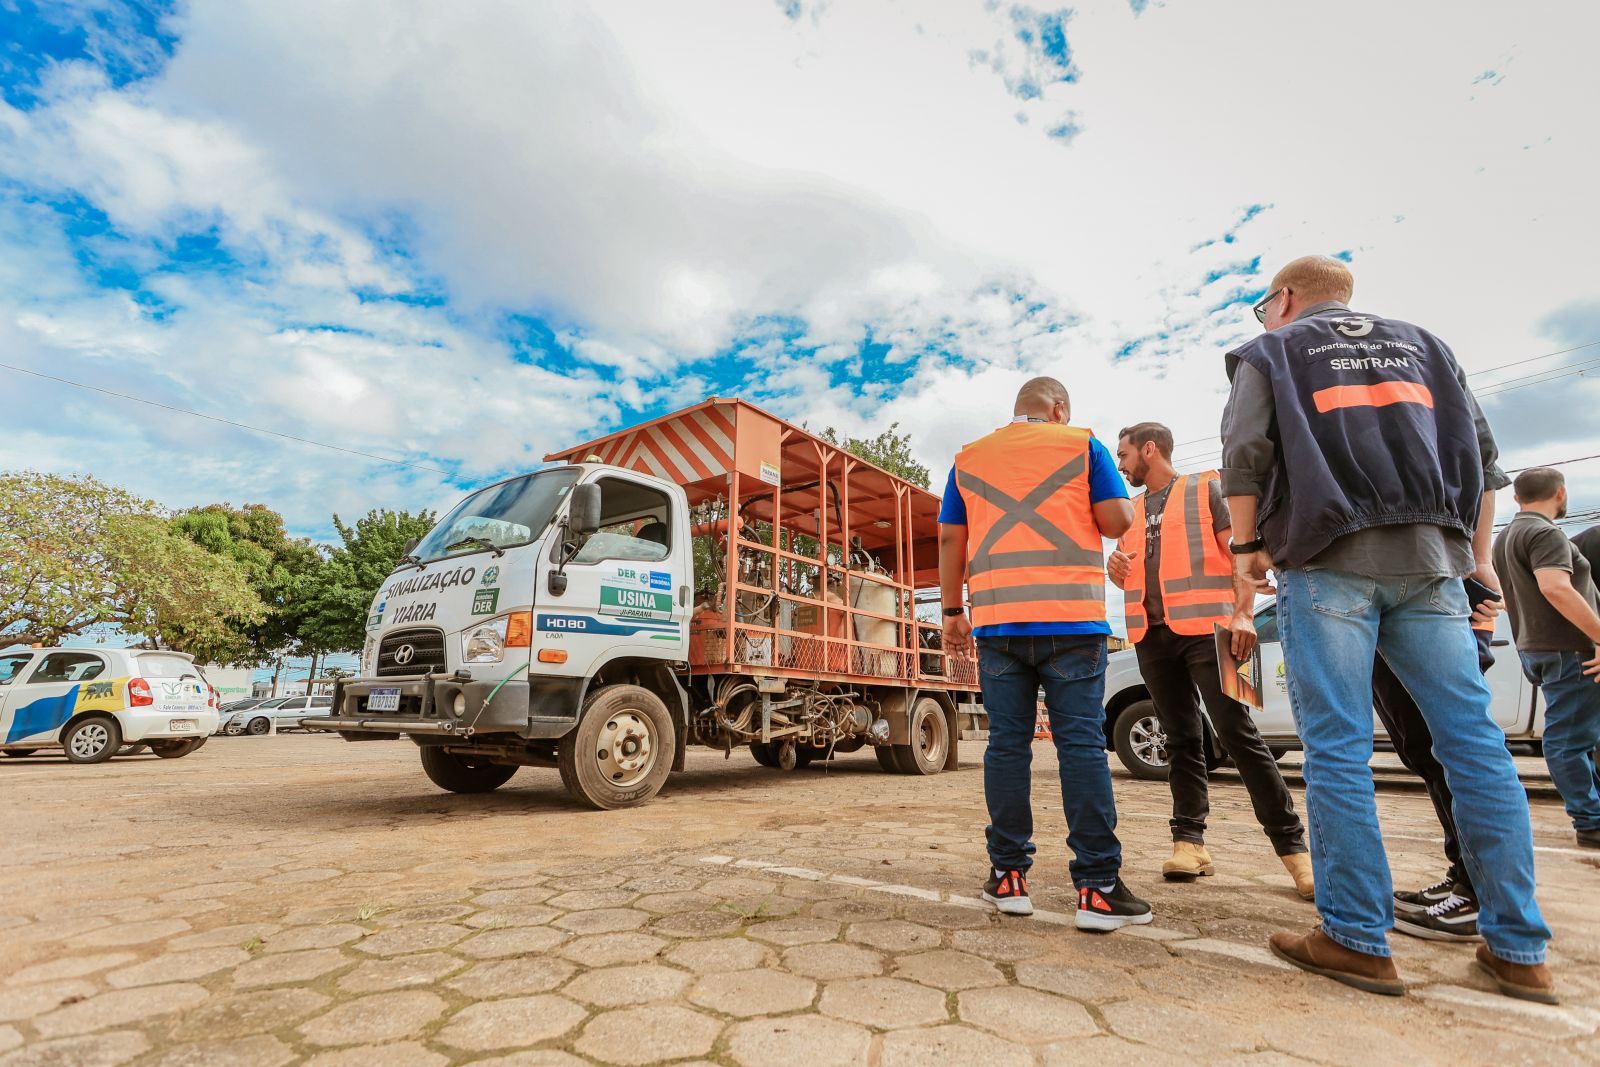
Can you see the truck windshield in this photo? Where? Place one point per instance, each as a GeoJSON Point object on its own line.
{"type": "Point", "coordinates": [511, 513]}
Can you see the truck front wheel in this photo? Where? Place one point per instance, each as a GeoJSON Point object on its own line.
{"type": "Point", "coordinates": [459, 774]}
{"type": "Point", "coordinates": [621, 752]}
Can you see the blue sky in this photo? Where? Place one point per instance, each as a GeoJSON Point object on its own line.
{"type": "Point", "coordinates": [466, 235]}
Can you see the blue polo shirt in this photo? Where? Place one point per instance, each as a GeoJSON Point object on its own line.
{"type": "Point", "coordinates": [1105, 483]}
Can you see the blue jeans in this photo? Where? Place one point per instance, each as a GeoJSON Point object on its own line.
{"type": "Point", "coordinates": [1333, 622]}
{"type": "Point", "coordinates": [1571, 730]}
{"type": "Point", "coordinates": [1072, 670]}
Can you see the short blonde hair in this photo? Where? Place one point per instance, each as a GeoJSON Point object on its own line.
{"type": "Point", "coordinates": [1316, 278]}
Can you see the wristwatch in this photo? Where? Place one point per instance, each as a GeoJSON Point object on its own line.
{"type": "Point", "coordinates": [952, 612]}
{"type": "Point", "coordinates": [1247, 547]}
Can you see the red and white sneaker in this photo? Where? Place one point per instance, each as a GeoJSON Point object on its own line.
{"type": "Point", "coordinates": [1104, 910]}
{"type": "Point", "coordinates": [1008, 891]}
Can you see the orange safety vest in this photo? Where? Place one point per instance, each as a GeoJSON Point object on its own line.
{"type": "Point", "coordinates": [1196, 575]}
{"type": "Point", "coordinates": [1033, 548]}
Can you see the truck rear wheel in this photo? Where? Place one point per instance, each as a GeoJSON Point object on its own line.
{"type": "Point", "coordinates": [621, 752]}
{"type": "Point", "coordinates": [886, 758]}
{"type": "Point", "coordinates": [765, 754]}
{"type": "Point", "coordinates": [930, 740]}
{"type": "Point", "coordinates": [462, 774]}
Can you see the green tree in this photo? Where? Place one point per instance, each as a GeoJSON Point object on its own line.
{"type": "Point", "coordinates": [275, 564]}
{"type": "Point", "coordinates": [337, 593]}
{"type": "Point", "coordinates": [76, 554]}
{"type": "Point", "coordinates": [890, 450]}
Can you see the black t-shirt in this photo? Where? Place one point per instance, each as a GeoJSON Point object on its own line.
{"type": "Point", "coordinates": [1588, 543]}
{"type": "Point", "coordinates": [1155, 504]}
{"type": "Point", "coordinates": [1532, 543]}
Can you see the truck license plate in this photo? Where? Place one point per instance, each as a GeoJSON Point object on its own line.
{"type": "Point", "coordinates": [180, 725]}
{"type": "Point", "coordinates": [383, 700]}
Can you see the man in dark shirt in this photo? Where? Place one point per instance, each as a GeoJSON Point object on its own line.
{"type": "Point", "coordinates": [1588, 543]}
{"type": "Point", "coordinates": [1370, 423]}
{"type": "Point", "coordinates": [1555, 618]}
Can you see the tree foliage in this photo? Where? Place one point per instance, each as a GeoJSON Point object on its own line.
{"type": "Point", "coordinates": [890, 450]}
{"type": "Point", "coordinates": [76, 554]}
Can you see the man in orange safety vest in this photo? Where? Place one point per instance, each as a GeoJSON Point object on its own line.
{"type": "Point", "coordinates": [1175, 571]}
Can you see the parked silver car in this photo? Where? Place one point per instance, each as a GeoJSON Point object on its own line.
{"type": "Point", "coordinates": [285, 712]}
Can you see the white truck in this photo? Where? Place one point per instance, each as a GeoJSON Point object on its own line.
{"type": "Point", "coordinates": [1135, 733]}
{"type": "Point", "coordinates": [714, 577]}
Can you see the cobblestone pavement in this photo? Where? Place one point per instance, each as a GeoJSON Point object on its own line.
{"type": "Point", "coordinates": [303, 900]}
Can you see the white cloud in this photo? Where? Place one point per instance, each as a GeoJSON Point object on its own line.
{"type": "Point", "coordinates": [657, 179]}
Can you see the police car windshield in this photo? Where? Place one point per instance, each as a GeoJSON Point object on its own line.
{"type": "Point", "coordinates": [503, 515]}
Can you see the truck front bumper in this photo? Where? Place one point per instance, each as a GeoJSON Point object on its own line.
{"type": "Point", "coordinates": [443, 705]}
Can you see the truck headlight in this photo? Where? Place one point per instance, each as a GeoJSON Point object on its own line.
{"type": "Point", "coordinates": [484, 643]}
{"type": "Point", "coordinates": [367, 651]}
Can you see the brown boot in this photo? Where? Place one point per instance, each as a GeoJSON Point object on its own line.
{"type": "Point", "coordinates": [1318, 953]}
{"type": "Point", "coordinates": [1189, 861]}
{"type": "Point", "coordinates": [1298, 865]}
{"type": "Point", "coordinates": [1524, 981]}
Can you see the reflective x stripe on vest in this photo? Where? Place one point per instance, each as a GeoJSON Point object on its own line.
{"type": "Point", "coordinates": [1033, 546]}
{"type": "Point", "coordinates": [1196, 578]}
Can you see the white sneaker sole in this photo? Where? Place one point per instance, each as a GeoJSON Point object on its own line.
{"type": "Point", "coordinates": [1104, 924]}
{"type": "Point", "coordinates": [1427, 933]}
{"type": "Point", "coordinates": [1010, 905]}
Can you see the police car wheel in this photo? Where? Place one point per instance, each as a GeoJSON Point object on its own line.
{"type": "Point", "coordinates": [176, 749]}
{"type": "Point", "coordinates": [1140, 742]}
{"type": "Point", "coordinates": [621, 752]}
{"type": "Point", "coordinates": [463, 774]}
{"type": "Point", "coordinates": [92, 739]}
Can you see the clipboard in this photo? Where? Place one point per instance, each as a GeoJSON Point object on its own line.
{"type": "Point", "coordinates": [1241, 680]}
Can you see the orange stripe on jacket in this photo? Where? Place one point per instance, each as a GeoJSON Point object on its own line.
{"type": "Point", "coordinates": [1372, 396]}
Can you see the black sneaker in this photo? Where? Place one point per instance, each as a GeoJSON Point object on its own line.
{"type": "Point", "coordinates": [1455, 918]}
{"type": "Point", "coordinates": [1417, 901]}
{"type": "Point", "coordinates": [1104, 911]}
{"type": "Point", "coordinates": [1008, 891]}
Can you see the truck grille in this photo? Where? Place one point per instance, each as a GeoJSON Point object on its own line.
{"type": "Point", "coordinates": [426, 655]}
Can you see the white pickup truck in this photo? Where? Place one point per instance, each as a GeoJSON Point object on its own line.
{"type": "Point", "coordinates": [1133, 731]}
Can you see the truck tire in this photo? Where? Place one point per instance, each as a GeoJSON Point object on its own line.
{"type": "Point", "coordinates": [930, 740]}
{"type": "Point", "coordinates": [92, 739]}
{"type": "Point", "coordinates": [462, 774]}
{"type": "Point", "coordinates": [765, 753]}
{"type": "Point", "coordinates": [1140, 742]}
{"type": "Point", "coordinates": [886, 759]}
{"type": "Point", "coordinates": [176, 749]}
{"type": "Point", "coordinates": [621, 752]}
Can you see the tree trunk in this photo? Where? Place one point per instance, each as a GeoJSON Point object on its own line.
{"type": "Point", "coordinates": [311, 674]}
{"type": "Point", "coordinates": [277, 668]}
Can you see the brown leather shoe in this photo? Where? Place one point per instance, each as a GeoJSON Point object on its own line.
{"type": "Point", "coordinates": [1189, 861]}
{"type": "Point", "coordinates": [1298, 864]}
{"type": "Point", "coordinates": [1318, 953]}
{"type": "Point", "coordinates": [1521, 980]}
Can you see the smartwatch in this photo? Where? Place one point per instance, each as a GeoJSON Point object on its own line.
{"type": "Point", "coordinates": [952, 612]}
{"type": "Point", "coordinates": [1247, 547]}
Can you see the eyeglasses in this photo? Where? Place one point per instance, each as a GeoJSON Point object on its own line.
{"type": "Point", "coordinates": [1261, 308]}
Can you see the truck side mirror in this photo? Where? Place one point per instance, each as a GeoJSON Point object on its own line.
{"type": "Point", "coordinates": [411, 546]}
{"type": "Point", "coordinates": [583, 514]}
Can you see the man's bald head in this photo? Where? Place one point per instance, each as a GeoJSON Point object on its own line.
{"type": "Point", "coordinates": [1043, 398]}
{"type": "Point", "coordinates": [1314, 279]}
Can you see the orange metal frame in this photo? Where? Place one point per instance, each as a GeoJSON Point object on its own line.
{"type": "Point", "coordinates": [896, 521]}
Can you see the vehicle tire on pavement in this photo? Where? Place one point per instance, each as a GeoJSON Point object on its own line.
{"type": "Point", "coordinates": [765, 753]}
{"type": "Point", "coordinates": [130, 750]}
{"type": "Point", "coordinates": [1140, 742]}
{"type": "Point", "coordinates": [176, 749]}
{"type": "Point", "coordinates": [92, 739]}
{"type": "Point", "coordinates": [463, 774]}
{"type": "Point", "coordinates": [930, 739]}
{"type": "Point", "coordinates": [621, 752]}
{"type": "Point", "coordinates": [886, 758]}
{"type": "Point", "coordinates": [258, 727]}
{"type": "Point", "coordinates": [16, 753]}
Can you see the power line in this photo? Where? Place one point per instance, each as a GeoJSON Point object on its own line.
{"type": "Point", "coordinates": [1553, 373]}
{"type": "Point", "coordinates": [1557, 463]}
{"type": "Point", "coordinates": [227, 422]}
